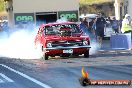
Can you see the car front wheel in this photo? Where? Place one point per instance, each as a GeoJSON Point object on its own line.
{"type": "Point", "coordinates": [86, 54]}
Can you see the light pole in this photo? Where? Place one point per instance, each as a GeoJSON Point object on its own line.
{"type": "Point", "coordinates": [120, 8]}
{"type": "Point", "coordinates": [9, 9]}
{"type": "Point", "coordinates": [117, 9]}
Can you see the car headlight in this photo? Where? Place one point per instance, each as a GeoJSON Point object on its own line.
{"type": "Point", "coordinates": [85, 42]}
{"type": "Point", "coordinates": [49, 44]}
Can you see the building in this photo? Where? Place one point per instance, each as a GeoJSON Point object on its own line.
{"type": "Point", "coordinates": [40, 11]}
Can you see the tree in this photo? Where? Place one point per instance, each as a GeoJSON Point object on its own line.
{"type": "Point", "coordinates": [90, 2]}
{"type": "Point", "coordinates": [95, 6]}
{"type": "Point", "coordinates": [1, 5]}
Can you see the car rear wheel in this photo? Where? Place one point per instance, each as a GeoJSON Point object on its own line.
{"type": "Point", "coordinates": [86, 54]}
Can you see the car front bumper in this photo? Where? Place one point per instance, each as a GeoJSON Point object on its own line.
{"type": "Point", "coordinates": [60, 50]}
{"type": "Point", "coordinates": [72, 47]}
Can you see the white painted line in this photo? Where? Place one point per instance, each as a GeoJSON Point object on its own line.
{"type": "Point", "coordinates": [1, 81]}
{"type": "Point", "coordinates": [27, 77]}
{"type": "Point", "coordinates": [5, 77]}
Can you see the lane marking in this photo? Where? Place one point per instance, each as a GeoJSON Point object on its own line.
{"type": "Point", "coordinates": [1, 81]}
{"type": "Point", "coordinates": [26, 76]}
{"type": "Point", "coordinates": [5, 77]}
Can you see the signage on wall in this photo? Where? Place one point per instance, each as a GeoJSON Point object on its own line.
{"type": "Point", "coordinates": [70, 15]}
{"type": "Point", "coordinates": [23, 17]}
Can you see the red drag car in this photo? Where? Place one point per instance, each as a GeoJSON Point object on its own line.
{"type": "Point", "coordinates": [63, 39]}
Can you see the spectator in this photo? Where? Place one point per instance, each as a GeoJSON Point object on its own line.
{"type": "Point", "coordinates": [115, 25]}
{"type": "Point", "coordinates": [109, 19]}
{"type": "Point", "coordinates": [83, 26]}
{"type": "Point", "coordinates": [88, 23]}
{"type": "Point", "coordinates": [94, 26]}
{"type": "Point", "coordinates": [100, 25]}
{"type": "Point", "coordinates": [91, 22]}
{"type": "Point", "coordinates": [108, 22]}
{"type": "Point", "coordinates": [85, 29]}
{"type": "Point", "coordinates": [126, 24]}
{"type": "Point", "coordinates": [85, 21]}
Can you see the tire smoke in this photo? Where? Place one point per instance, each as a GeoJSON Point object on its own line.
{"type": "Point", "coordinates": [18, 43]}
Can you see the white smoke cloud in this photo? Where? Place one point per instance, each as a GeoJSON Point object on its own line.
{"type": "Point", "coordinates": [94, 47]}
{"type": "Point", "coordinates": [20, 44]}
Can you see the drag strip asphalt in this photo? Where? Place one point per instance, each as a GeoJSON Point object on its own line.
{"type": "Point", "coordinates": [11, 78]}
{"type": "Point", "coordinates": [65, 73]}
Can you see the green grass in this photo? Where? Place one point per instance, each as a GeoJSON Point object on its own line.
{"type": "Point", "coordinates": [1, 5]}
{"type": "Point", "coordinates": [90, 2]}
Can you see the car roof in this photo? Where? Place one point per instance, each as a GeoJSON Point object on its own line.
{"type": "Point", "coordinates": [57, 23]}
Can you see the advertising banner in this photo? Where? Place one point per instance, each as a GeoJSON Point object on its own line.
{"type": "Point", "coordinates": [70, 15]}
{"type": "Point", "coordinates": [24, 18]}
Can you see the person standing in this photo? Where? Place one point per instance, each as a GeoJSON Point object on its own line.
{"type": "Point", "coordinates": [85, 21]}
{"type": "Point", "coordinates": [115, 25]}
{"type": "Point", "coordinates": [84, 26]}
{"type": "Point", "coordinates": [100, 25]}
{"type": "Point", "coordinates": [126, 24]}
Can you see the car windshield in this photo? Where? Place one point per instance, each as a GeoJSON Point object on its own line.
{"type": "Point", "coordinates": [56, 29]}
